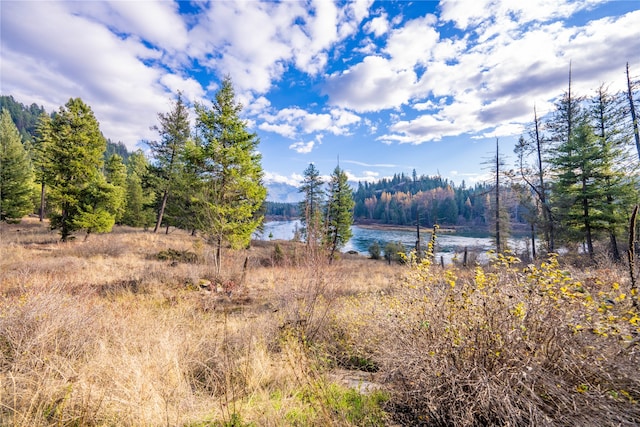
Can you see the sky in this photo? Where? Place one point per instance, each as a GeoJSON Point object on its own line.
{"type": "Point", "coordinates": [378, 87]}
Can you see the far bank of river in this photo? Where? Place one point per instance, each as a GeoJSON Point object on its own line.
{"type": "Point", "coordinates": [447, 243]}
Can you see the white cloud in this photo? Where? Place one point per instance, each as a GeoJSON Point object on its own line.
{"type": "Point", "coordinates": [371, 85]}
{"type": "Point", "coordinates": [377, 26]}
{"type": "Point", "coordinates": [148, 20]}
{"type": "Point", "coordinates": [302, 147]}
{"type": "Point", "coordinates": [293, 121]}
{"type": "Point", "coordinates": [285, 130]}
{"type": "Point", "coordinates": [51, 53]}
{"type": "Point", "coordinates": [281, 33]}
{"type": "Point", "coordinates": [376, 165]}
{"type": "Point", "coordinates": [188, 86]}
{"type": "Point", "coordinates": [274, 177]}
{"type": "Point", "coordinates": [365, 176]}
{"type": "Point", "coordinates": [491, 82]}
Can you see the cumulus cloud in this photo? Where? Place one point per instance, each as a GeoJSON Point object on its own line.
{"type": "Point", "coordinates": [377, 26]}
{"type": "Point", "coordinates": [518, 57]}
{"type": "Point", "coordinates": [474, 68]}
{"type": "Point", "coordinates": [302, 147]}
{"type": "Point", "coordinates": [52, 53]}
{"type": "Point", "coordinates": [276, 178]}
{"type": "Point", "coordinates": [293, 121]}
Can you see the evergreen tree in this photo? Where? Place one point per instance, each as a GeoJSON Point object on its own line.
{"type": "Point", "coordinates": [608, 119]}
{"type": "Point", "coordinates": [579, 187]}
{"type": "Point", "coordinates": [167, 153]}
{"type": "Point", "coordinates": [138, 210]}
{"type": "Point", "coordinates": [79, 192]}
{"type": "Point", "coordinates": [24, 117]}
{"type": "Point", "coordinates": [229, 167]}
{"type": "Point", "coordinates": [116, 175]}
{"type": "Point", "coordinates": [15, 172]}
{"type": "Point", "coordinates": [40, 158]}
{"type": "Point", "coordinates": [311, 206]}
{"type": "Point", "coordinates": [339, 212]}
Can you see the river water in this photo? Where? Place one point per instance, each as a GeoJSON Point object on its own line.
{"type": "Point", "coordinates": [447, 244]}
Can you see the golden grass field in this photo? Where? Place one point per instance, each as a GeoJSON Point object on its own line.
{"type": "Point", "coordinates": [104, 332]}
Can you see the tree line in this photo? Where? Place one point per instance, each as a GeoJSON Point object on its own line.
{"type": "Point", "coordinates": [575, 181]}
{"type": "Point", "coordinates": [206, 179]}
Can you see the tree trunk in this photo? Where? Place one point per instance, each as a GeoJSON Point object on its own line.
{"type": "Point", "coordinates": [533, 242]}
{"type": "Point", "coordinates": [165, 196]}
{"type": "Point", "coordinates": [42, 201]}
{"type": "Point", "coordinates": [632, 108]}
{"type": "Point", "coordinates": [546, 210]}
{"type": "Point", "coordinates": [587, 222]}
{"type": "Point", "coordinates": [498, 243]}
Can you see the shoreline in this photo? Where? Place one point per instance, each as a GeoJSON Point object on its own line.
{"type": "Point", "coordinates": [394, 227]}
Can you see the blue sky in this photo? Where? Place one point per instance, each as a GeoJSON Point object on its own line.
{"type": "Point", "coordinates": [383, 86]}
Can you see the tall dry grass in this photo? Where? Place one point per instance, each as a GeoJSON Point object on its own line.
{"type": "Point", "coordinates": [134, 328]}
{"type": "Point", "coordinates": [103, 332]}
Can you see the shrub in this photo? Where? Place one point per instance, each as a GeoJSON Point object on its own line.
{"type": "Point", "coordinates": [503, 345]}
{"type": "Point", "coordinates": [177, 256]}
{"type": "Point", "coordinates": [374, 250]}
{"type": "Point", "coordinates": [393, 251]}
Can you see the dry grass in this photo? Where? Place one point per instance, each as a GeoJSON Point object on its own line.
{"type": "Point", "coordinates": [103, 332]}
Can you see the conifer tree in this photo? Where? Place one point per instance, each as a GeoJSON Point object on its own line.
{"type": "Point", "coordinates": [339, 212]}
{"type": "Point", "coordinates": [40, 158]}
{"type": "Point", "coordinates": [81, 197]}
{"type": "Point", "coordinates": [168, 152]}
{"type": "Point", "coordinates": [138, 210]}
{"type": "Point", "coordinates": [579, 186]}
{"type": "Point", "coordinates": [16, 177]}
{"type": "Point", "coordinates": [225, 158]}
{"type": "Point", "coordinates": [608, 119]}
{"type": "Point", "coordinates": [311, 206]}
{"type": "Point", "coordinates": [116, 175]}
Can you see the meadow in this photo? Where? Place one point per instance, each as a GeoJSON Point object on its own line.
{"type": "Point", "coordinates": [132, 328]}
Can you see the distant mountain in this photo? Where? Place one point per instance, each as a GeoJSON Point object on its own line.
{"type": "Point", "coordinates": [283, 193]}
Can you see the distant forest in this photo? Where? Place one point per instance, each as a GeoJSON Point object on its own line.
{"type": "Point", "coordinates": [402, 199]}
{"type": "Point", "coordinates": [26, 119]}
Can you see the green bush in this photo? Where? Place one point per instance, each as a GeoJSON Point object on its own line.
{"type": "Point", "coordinates": [374, 250]}
{"type": "Point", "coordinates": [392, 252]}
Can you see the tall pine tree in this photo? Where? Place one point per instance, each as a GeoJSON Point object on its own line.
{"type": "Point", "coordinates": [311, 206]}
{"type": "Point", "coordinates": [226, 159]}
{"type": "Point", "coordinates": [81, 197]}
{"type": "Point", "coordinates": [608, 119]}
{"type": "Point", "coordinates": [579, 186]}
{"type": "Point", "coordinates": [139, 197]}
{"type": "Point", "coordinates": [339, 216]}
{"type": "Point", "coordinates": [16, 177]}
{"type": "Point", "coordinates": [168, 152]}
{"type": "Point", "coordinates": [116, 175]}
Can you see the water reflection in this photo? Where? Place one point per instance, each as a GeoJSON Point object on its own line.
{"type": "Point", "coordinates": [447, 245]}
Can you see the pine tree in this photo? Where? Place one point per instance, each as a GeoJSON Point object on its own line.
{"type": "Point", "coordinates": [139, 196]}
{"type": "Point", "coordinates": [81, 196]}
{"type": "Point", "coordinates": [608, 119]}
{"type": "Point", "coordinates": [228, 164]}
{"type": "Point", "coordinates": [167, 153]}
{"type": "Point", "coordinates": [40, 158]}
{"type": "Point", "coordinates": [16, 177]}
{"type": "Point", "coordinates": [116, 175]}
{"type": "Point", "coordinates": [311, 206]}
{"type": "Point", "coordinates": [579, 187]}
{"type": "Point", "coordinates": [339, 212]}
